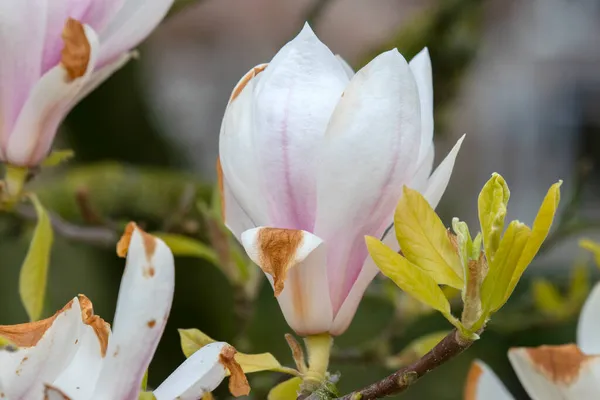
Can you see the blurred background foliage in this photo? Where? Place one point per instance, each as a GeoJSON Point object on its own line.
{"type": "Point", "coordinates": [146, 142]}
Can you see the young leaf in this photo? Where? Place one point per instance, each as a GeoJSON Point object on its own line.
{"type": "Point", "coordinates": [34, 272]}
{"type": "Point", "coordinates": [547, 298]}
{"type": "Point", "coordinates": [501, 269]}
{"type": "Point", "coordinates": [539, 232]}
{"type": "Point", "coordinates": [424, 240]}
{"type": "Point", "coordinates": [492, 203]}
{"type": "Point", "coordinates": [146, 396]}
{"type": "Point", "coordinates": [58, 157]}
{"type": "Point", "coordinates": [593, 247]}
{"type": "Point", "coordinates": [465, 243]}
{"type": "Point", "coordinates": [187, 247]}
{"type": "Point", "coordinates": [193, 340]}
{"type": "Point", "coordinates": [408, 276]}
{"type": "Point", "coordinates": [286, 390]}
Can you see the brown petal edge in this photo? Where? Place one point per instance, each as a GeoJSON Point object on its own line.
{"type": "Point", "coordinates": [238, 383]}
{"type": "Point", "coordinates": [75, 56]}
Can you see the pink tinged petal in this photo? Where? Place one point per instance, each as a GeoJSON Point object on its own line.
{"type": "Point", "coordinates": [438, 181]}
{"type": "Point", "coordinates": [135, 20]}
{"type": "Point", "coordinates": [557, 372]}
{"type": "Point", "coordinates": [294, 99]}
{"type": "Point", "coordinates": [369, 153]}
{"type": "Point", "coordinates": [237, 150]}
{"type": "Point", "coordinates": [201, 373]}
{"type": "Point", "coordinates": [47, 105]}
{"type": "Point", "coordinates": [295, 264]}
{"type": "Point", "coordinates": [22, 25]}
{"type": "Point", "coordinates": [588, 328]}
{"type": "Point", "coordinates": [53, 393]}
{"type": "Point", "coordinates": [347, 68]}
{"type": "Point", "coordinates": [143, 306]}
{"type": "Point", "coordinates": [483, 384]}
{"type": "Point", "coordinates": [420, 66]}
{"type": "Point", "coordinates": [46, 348]}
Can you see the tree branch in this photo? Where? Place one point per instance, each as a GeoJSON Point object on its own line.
{"type": "Point", "coordinates": [451, 346]}
{"type": "Point", "coordinates": [97, 235]}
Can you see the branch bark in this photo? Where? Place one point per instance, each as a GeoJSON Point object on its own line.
{"type": "Point", "coordinates": [451, 346]}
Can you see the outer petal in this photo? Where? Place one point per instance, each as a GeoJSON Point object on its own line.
{"type": "Point", "coordinates": [483, 384]}
{"type": "Point", "coordinates": [237, 152]}
{"type": "Point", "coordinates": [295, 263]}
{"type": "Point", "coordinates": [22, 42]}
{"type": "Point", "coordinates": [421, 177]}
{"type": "Point", "coordinates": [347, 67]}
{"type": "Point", "coordinates": [588, 329]}
{"type": "Point", "coordinates": [132, 24]}
{"type": "Point", "coordinates": [438, 181]}
{"type": "Point", "coordinates": [420, 66]}
{"type": "Point", "coordinates": [369, 152]}
{"type": "Point", "coordinates": [53, 393]}
{"type": "Point", "coordinates": [201, 373]}
{"type": "Point", "coordinates": [45, 349]}
{"type": "Point", "coordinates": [45, 108]}
{"type": "Point", "coordinates": [234, 215]}
{"type": "Point", "coordinates": [557, 372]}
{"type": "Point", "coordinates": [294, 99]}
{"type": "Point", "coordinates": [143, 306]}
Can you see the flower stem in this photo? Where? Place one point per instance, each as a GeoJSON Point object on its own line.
{"type": "Point", "coordinates": [14, 181]}
{"type": "Point", "coordinates": [319, 350]}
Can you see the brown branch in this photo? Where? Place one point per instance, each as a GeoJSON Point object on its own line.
{"type": "Point", "coordinates": [97, 235]}
{"type": "Point", "coordinates": [451, 346]}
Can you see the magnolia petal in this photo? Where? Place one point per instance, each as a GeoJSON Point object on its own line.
{"type": "Point", "coordinates": [438, 181]}
{"type": "Point", "coordinates": [295, 264]}
{"type": "Point", "coordinates": [372, 142]}
{"type": "Point", "coordinates": [53, 393]}
{"type": "Point", "coordinates": [46, 348]}
{"type": "Point", "coordinates": [22, 26]}
{"type": "Point", "coordinates": [143, 306]}
{"type": "Point", "coordinates": [483, 384]}
{"type": "Point", "coordinates": [293, 102]}
{"type": "Point", "coordinates": [234, 216]}
{"type": "Point", "coordinates": [420, 66]}
{"type": "Point", "coordinates": [201, 373]}
{"type": "Point", "coordinates": [237, 151]}
{"type": "Point", "coordinates": [421, 177]}
{"type": "Point", "coordinates": [51, 97]}
{"type": "Point", "coordinates": [347, 67]}
{"type": "Point", "coordinates": [588, 328]}
{"type": "Point", "coordinates": [556, 372]}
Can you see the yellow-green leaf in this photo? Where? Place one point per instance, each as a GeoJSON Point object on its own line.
{"type": "Point", "coordinates": [424, 240]}
{"type": "Point", "coordinates": [287, 390]}
{"type": "Point", "coordinates": [34, 272]}
{"type": "Point", "coordinates": [187, 247]}
{"type": "Point", "coordinates": [492, 203]}
{"type": "Point", "coordinates": [579, 287]}
{"type": "Point", "coordinates": [144, 383]}
{"type": "Point", "coordinates": [410, 278]}
{"type": "Point", "coordinates": [146, 396]}
{"type": "Point", "coordinates": [58, 157]}
{"type": "Point", "coordinates": [547, 298]}
{"type": "Point", "coordinates": [464, 242]}
{"type": "Point", "coordinates": [539, 232]}
{"type": "Point", "coordinates": [593, 247]}
{"type": "Point", "coordinates": [500, 273]}
{"type": "Point", "coordinates": [415, 350]}
{"type": "Point", "coordinates": [193, 340]}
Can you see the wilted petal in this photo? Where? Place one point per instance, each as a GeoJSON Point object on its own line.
{"type": "Point", "coordinates": [22, 25]}
{"type": "Point", "coordinates": [557, 372]}
{"type": "Point", "coordinates": [201, 373]}
{"type": "Point", "coordinates": [51, 97]}
{"type": "Point", "coordinates": [143, 306]}
{"type": "Point", "coordinates": [483, 384]}
{"type": "Point", "coordinates": [133, 22]}
{"type": "Point", "coordinates": [368, 154]}
{"type": "Point", "coordinates": [588, 329]}
{"type": "Point", "coordinates": [46, 348]}
{"type": "Point", "coordinates": [420, 66]}
{"type": "Point", "coordinates": [295, 263]}
{"type": "Point", "coordinates": [293, 101]}
{"type": "Point", "coordinates": [237, 155]}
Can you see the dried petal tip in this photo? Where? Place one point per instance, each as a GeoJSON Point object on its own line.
{"type": "Point", "coordinates": [76, 53]}
{"type": "Point", "coordinates": [123, 244]}
{"type": "Point", "coordinates": [238, 383]}
{"type": "Point", "coordinates": [101, 328]}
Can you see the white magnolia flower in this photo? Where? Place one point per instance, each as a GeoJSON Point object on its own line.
{"type": "Point", "coordinates": [74, 355]}
{"type": "Point", "coordinates": [54, 52]}
{"type": "Point", "coordinates": [313, 157]}
{"type": "Point", "coordinates": [567, 372]}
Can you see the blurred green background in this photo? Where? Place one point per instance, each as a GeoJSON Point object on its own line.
{"type": "Point", "coordinates": [146, 143]}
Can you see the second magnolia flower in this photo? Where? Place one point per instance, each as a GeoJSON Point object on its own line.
{"type": "Point", "coordinates": [313, 157]}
